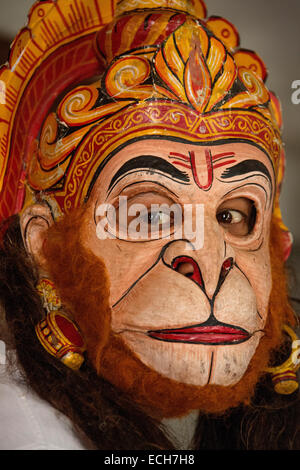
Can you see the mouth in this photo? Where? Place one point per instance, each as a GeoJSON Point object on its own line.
{"type": "Point", "coordinates": [220, 334]}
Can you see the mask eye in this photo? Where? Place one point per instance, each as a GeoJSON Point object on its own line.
{"type": "Point", "coordinates": [237, 216]}
{"type": "Point", "coordinates": [229, 216]}
{"type": "Point", "coordinates": [159, 218]}
{"type": "Point", "coordinates": [157, 221]}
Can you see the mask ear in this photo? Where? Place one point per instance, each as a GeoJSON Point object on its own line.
{"type": "Point", "coordinates": [34, 223]}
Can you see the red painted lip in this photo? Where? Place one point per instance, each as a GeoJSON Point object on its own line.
{"type": "Point", "coordinates": [209, 334]}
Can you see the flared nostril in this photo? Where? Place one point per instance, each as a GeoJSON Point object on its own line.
{"type": "Point", "coordinates": [188, 267]}
{"type": "Point", "coordinates": [226, 268]}
{"type": "Point", "coordinates": [227, 265]}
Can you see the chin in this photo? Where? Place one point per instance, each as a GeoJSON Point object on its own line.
{"type": "Point", "coordinates": [194, 364]}
{"type": "Point", "coordinates": [162, 395]}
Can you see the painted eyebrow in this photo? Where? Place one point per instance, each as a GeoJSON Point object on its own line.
{"type": "Point", "coordinates": [151, 163]}
{"type": "Point", "coordinates": [247, 166]}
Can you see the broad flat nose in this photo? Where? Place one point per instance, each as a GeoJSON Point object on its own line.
{"type": "Point", "coordinates": [188, 267]}
{"type": "Point", "coordinates": [205, 264]}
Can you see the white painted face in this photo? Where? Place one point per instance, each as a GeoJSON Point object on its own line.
{"type": "Point", "coordinates": [194, 312]}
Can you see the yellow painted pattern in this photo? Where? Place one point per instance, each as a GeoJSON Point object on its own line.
{"type": "Point", "coordinates": [50, 25]}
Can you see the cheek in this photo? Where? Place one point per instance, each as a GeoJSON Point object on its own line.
{"type": "Point", "coordinates": [257, 268]}
{"type": "Point", "coordinates": [236, 303]}
{"type": "Point", "coordinates": [162, 299]}
{"type": "Point", "coordinates": [166, 299]}
{"type": "Point", "coordinates": [125, 262]}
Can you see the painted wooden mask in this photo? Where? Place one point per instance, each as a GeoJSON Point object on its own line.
{"type": "Point", "coordinates": [152, 119]}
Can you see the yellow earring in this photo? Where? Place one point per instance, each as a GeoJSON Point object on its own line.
{"type": "Point", "coordinates": [48, 294]}
{"type": "Point", "coordinates": [57, 333]}
{"type": "Point", "coordinates": [284, 376]}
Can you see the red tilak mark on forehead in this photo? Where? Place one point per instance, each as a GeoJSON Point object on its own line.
{"type": "Point", "coordinates": [189, 162]}
{"type": "Point", "coordinates": [209, 167]}
{"type": "Point", "coordinates": [191, 165]}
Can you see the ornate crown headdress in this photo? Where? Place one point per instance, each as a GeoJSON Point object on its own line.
{"type": "Point", "coordinates": [162, 68]}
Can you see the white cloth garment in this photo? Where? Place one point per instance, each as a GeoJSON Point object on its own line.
{"type": "Point", "coordinates": [28, 422]}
